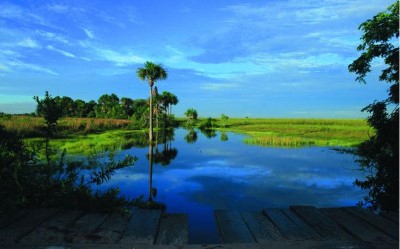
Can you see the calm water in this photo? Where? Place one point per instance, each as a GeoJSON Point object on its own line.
{"type": "Point", "coordinates": [222, 172]}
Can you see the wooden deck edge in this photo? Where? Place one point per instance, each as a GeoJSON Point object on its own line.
{"type": "Point", "coordinates": [270, 245]}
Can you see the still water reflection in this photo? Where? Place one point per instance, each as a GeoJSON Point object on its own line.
{"type": "Point", "coordinates": [196, 172]}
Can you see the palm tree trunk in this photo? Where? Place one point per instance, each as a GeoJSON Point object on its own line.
{"type": "Point", "coordinates": [151, 115]}
{"type": "Point", "coordinates": [150, 172]}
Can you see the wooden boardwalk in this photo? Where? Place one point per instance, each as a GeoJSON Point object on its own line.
{"type": "Point", "coordinates": [295, 227]}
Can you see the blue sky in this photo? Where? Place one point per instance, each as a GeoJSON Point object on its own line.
{"type": "Point", "coordinates": [272, 58]}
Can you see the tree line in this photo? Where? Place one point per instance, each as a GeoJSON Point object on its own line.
{"type": "Point", "coordinates": [109, 106]}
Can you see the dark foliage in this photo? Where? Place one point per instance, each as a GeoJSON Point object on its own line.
{"type": "Point", "coordinates": [379, 156]}
{"type": "Point", "coordinates": [28, 182]}
{"type": "Point", "coordinates": [49, 109]}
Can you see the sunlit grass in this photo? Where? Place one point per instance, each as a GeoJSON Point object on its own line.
{"type": "Point", "coordinates": [90, 135]}
{"type": "Point", "coordinates": [35, 127]}
{"type": "Point", "coordinates": [301, 132]}
{"type": "Point", "coordinates": [93, 144]}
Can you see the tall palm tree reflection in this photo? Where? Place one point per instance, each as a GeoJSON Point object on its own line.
{"type": "Point", "coordinates": [164, 158]}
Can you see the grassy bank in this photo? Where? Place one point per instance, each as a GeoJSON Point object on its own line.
{"type": "Point", "coordinates": [300, 132]}
{"type": "Point", "coordinates": [92, 144]}
{"type": "Point", "coordinates": [29, 126]}
{"type": "Point", "coordinates": [88, 134]}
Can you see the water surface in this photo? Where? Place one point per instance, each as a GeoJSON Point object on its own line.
{"type": "Point", "coordinates": [196, 173]}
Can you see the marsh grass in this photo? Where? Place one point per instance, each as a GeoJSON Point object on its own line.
{"type": "Point", "coordinates": [29, 126]}
{"type": "Point", "coordinates": [301, 132]}
{"type": "Point", "coordinates": [92, 144]}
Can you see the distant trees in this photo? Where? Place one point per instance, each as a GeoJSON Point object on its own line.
{"type": "Point", "coordinates": [167, 100]}
{"type": "Point", "coordinates": [107, 106]}
{"type": "Point", "coordinates": [151, 72]}
{"type": "Point", "coordinates": [191, 114]}
{"type": "Point", "coordinates": [379, 156]}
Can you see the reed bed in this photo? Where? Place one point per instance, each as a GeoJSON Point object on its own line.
{"type": "Point", "coordinates": [29, 126]}
{"type": "Point", "coordinates": [301, 132]}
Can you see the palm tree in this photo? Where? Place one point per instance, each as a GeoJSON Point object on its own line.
{"type": "Point", "coordinates": [151, 72]}
{"type": "Point", "coordinates": [173, 101]}
{"type": "Point", "coordinates": [168, 99]}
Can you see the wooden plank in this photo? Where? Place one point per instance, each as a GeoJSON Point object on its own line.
{"type": "Point", "coordinates": [84, 226]}
{"type": "Point", "coordinates": [356, 225]}
{"type": "Point", "coordinates": [110, 231]}
{"type": "Point", "coordinates": [377, 221]}
{"type": "Point", "coordinates": [142, 229]}
{"type": "Point", "coordinates": [287, 227]}
{"type": "Point", "coordinates": [174, 230]}
{"type": "Point", "coordinates": [393, 216]}
{"type": "Point", "coordinates": [23, 226]}
{"type": "Point", "coordinates": [232, 227]}
{"type": "Point", "coordinates": [321, 223]}
{"type": "Point", "coordinates": [53, 229]}
{"type": "Point", "coordinates": [12, 216]}
{"type": "Point", "coordinates": [261, 227]}
{"type": "Point", "coordinates": [304, 227]}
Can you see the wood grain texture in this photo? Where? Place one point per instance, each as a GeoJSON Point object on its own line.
{"type": "Point", "coordinates": [232, 227]}
{"type": "Point", "coordinates": [174, 230]}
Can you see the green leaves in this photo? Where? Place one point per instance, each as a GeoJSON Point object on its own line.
{"type": "Point", "coordinates": [27, 182]}
{"type": "Point", "coordinates": [152, 72]}
{"type": "Point", "coordinates": [379, 156]}
{"type": "Point", "coordinates": [379, 41]}
{"type": "Point", "coordinates": [107, 170]}
{"type": "Point", "coordinates": [49, 109]}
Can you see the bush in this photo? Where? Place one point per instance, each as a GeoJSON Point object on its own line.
{"type": "Point", "coordinates": [28, 182]}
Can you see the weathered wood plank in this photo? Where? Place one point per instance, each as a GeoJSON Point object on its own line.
{"type": "Point", "coordinates": [12, 216]}
{"type": "Point", "coordinates": [232, 227]}
{"type": "Point", "coordinates": [285, 225]}
{"type": "Point", "coordinates": [261, 227]}
{"type": "Point", "coordinates": [174, 230]}
{"type": "Point", "coordinates": [142, 229]}
{"type": "Point", "coordinates": [321, 223]}
{"type": "Point", "coordinates": [393, 216]}
{"type": "Point", "coordinates": [84, 226]}
{"type": "Point", "coordinates": [356, 225]}
{"type": "Point", "coordinates": [110, 231]}
{"type": "Point", "coordinates": [53, 229]}
{"type": "Point", "coordinates": [304, 227]}
{"type": "Point", "coordinates": [385, 225]}
{"type": "Point", "coordinates": [23, 226]}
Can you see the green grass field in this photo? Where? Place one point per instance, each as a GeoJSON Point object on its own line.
{"type": "Point", "coordinates": [300, 132]}
{"type": "Point", "coordinates": [91, 135]}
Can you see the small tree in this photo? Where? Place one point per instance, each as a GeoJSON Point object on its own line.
{"type": "Point", "coordinates": [224, 120]}
{"type": "Point", "coordinates": [49, 109]}
{"type": "Point", "coordinates": [191, 114]}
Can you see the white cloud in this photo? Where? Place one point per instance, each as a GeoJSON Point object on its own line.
{"type": "Point", "coordinates": [22, 65]}
{"type": "Point", "coordinates": [58, 8]}
{"type": "Point", "coordinates": [53, 37]}
{"type": "Point", "coordinates": [15, 12]}
{"type": "Point", "coordinates": [218, 86]}
{"type": "Point", "coordinates": [10, 11]}
{"type": "Point", "coordinates": [89, 33]}
{"type": "Point", "coordinates": [118, 58]}
{"type": "Point", "coordinates": [28, 43]}
{"type": "Point", "coordinates": [4, 68]}
{"type": "Point", "coordinates": [65, 53]}
{"type": "Point", "coordinates": [64, 9]}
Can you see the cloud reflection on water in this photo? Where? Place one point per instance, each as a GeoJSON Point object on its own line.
{"type": "Point", "coordinates": [209, 174]}
{"type": "Point", "coordinates": [234, 175]}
